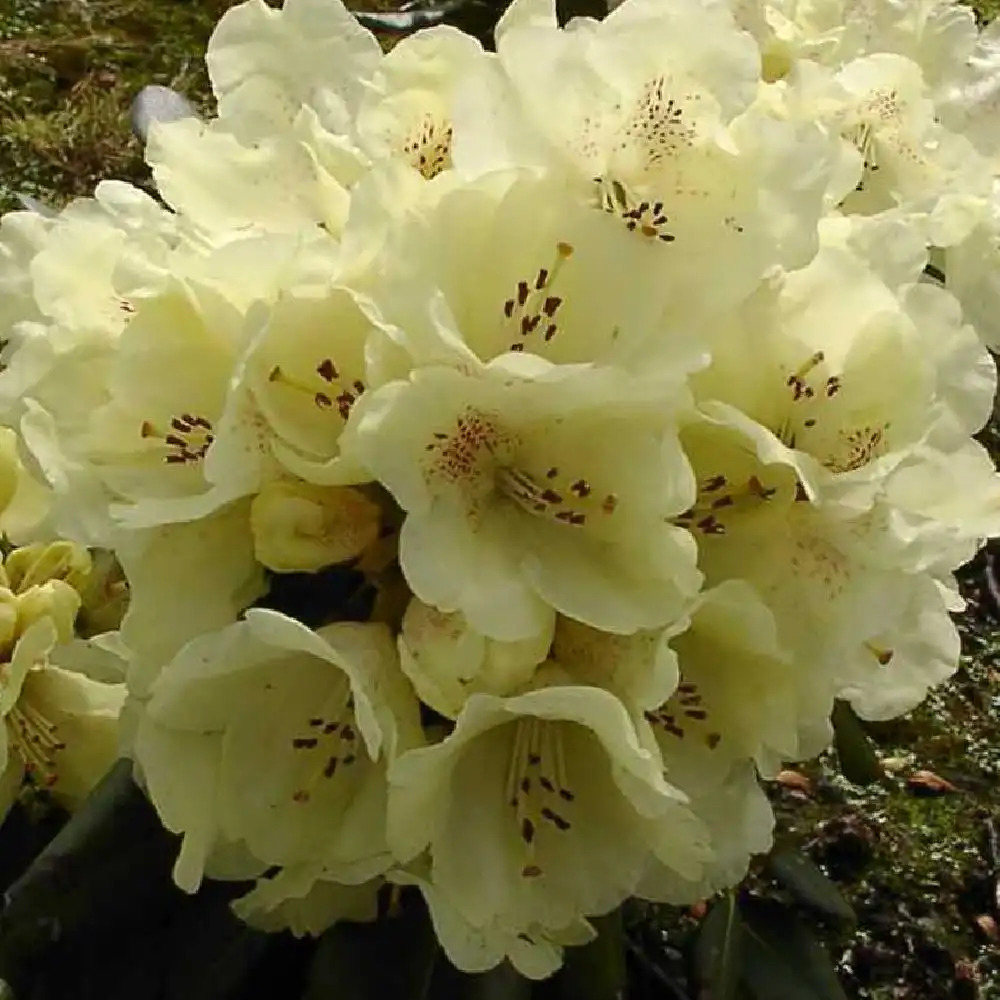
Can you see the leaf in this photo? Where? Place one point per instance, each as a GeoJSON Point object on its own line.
{"type": "Point", "coordinates": [566, 10]}
{"type": "Point", "coordinates": [193, 948]}
{"type": "Point", "coordinates": [475, 17]}
{"type": "Point", "coordinates": [718, 950]}
{"type": "Point", "coordinates": [595, 971]}
{"type": "Point", "coordinates": [858, 760]}
{"type": "Point", "coordinates": [391, 958]}
{"type": "Point", "coordinates": [501, 983]}
{"type": "Point", "coordinates": [392, 22]}
{"type": "Point", "coordinates": [111, 861]}
{"type": "Point", "coordinates": [212, 953]}
{"type": "Point", "coordinates": [808, 883]}
{"type": "Point", "coordinates": [781, 958]}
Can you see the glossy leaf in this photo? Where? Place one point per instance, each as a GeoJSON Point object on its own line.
{"type": "Point", "coordinates": [475, 17]}
{"type": "Point", "coordinates": [781, 958]}
{"type": "Point", "coordinates": [111, 861]}
{"type": "Point", "coordinates": [568, 9]}
{"type": "Point", "coordinates": [393, 957]}
{"type": "Point", "coordinates": [501, 983]}
{"type": "Point", "coordinates": [392, 22]}
{"type": "Point", "coordinates": [595, 971]}
{"type": "Point", "coordinates": [803, 878]}
{"type": "Point", "coordinates": [718, 950]}
{"type": "Point", "coordinates": [858, 760]}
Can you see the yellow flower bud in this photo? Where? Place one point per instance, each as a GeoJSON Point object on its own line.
{"type": "Point", "coordinates": [53, 599]}
{"type": "Point", "coordinates": [32, 565]}
{"type": "Point", "coordinates": [299, 527]}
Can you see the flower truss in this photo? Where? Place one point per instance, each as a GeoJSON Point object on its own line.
{"type": "Point", "coordinates": [589, 397]}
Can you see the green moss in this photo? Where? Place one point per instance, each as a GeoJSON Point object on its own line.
{"type": "Point", "coordinates": [68, 72]}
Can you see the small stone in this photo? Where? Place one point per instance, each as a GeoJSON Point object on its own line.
{"type": "Point", "coordinates": [158, 104]}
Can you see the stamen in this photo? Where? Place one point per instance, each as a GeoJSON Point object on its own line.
{"type": "Point", "coordinates": [543, 500]}
{"type": "Point", "coordinates": [685, 708]}
{"type": "Point", "coordinates": [330, 741]}
{"type": "Point", "coordinates": [533, 301]}
{"type": "Point", "coordinates": [718, 497]}
{"type": "Point", "coordinates": [187, 438]}
{"type": "Point", "coordinates": [537, 787]}
{"type": "Point", "coordinates": [640, 216]}
{"type": "Point", "coordinates": [884, 656]}
{"type": "Point", "coordinates": [35, 741]}
{"type": "Point", "coordinates": [328, 371]}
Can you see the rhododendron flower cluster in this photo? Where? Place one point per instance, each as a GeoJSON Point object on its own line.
{"type": "Point", "coordinates": [512, 456]}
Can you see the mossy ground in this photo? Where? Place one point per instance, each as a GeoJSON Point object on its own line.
{"type": "Point", "coordinates": [919, 870]}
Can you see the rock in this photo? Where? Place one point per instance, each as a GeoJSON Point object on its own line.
{"type": "Point", "coordinates": [158, 104]}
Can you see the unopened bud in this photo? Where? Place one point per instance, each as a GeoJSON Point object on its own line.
{"type": "Point", "coordinates": [54, 599]}
{"type": "Point", "coordinates": [32, 565]}
{"type": "Point", "coordinates": [300, 527]}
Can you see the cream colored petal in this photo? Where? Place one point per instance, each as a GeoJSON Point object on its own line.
{"type": "Point", "coordinates": [301, 901]}
{"type": "Point", "coordinates": [85, 716]}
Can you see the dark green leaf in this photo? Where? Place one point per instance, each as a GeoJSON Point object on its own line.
{"type": "Point", "coordinates": [595, 971]}
{"type": "Point", "coordinates": [23, 835]}
{"type": "Point", "coordinates": [189, 948]}
{"type": "Point", "coordinates": [213, 954]}
{"type": "Point", "coordinates": [392, 22]}
{"type": "Point", "coordinates": [392, 958]}
{"type": "Point", "coordinates": [781, 958]}
{"type": "Point", "coordinates": [858, 760]}
{"type": "Point", "coordinates": [718, 950]}
{"type": "Point", "coordinates": [110, 861]}
{"type": "Point", "coordinates": [502, 983]}
{"type": "Point", "coordinates": [566, 10]}
{"type": "Point", "coordinates": [475, 17]}
{"type": "Point", "coordinates": [801, 876]}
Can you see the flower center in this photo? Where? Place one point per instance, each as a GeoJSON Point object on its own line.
{"type": "Point", "coordinates": [468, 456]}
{"type": "Point", "coordinates": [659, 125]}
{"type": "Point", "coordinates": [481, 457]}
{"type": "Point", "coordinates": [859, 447]}
{"type": "Point", "coordinates": [640, 216]}
{"type": "Point", "coordinates": [537, 787]}
{"type": "Point", "coordinates": [186, 440]}
{"type": "Point", "coordinates": [427, 146]}
{"type": "Point", "coordinates": [882, 654]}
{"type": "Point", "coordinates": [329, 742]}
{"type": "Point", "coordinates": [854, 447]}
